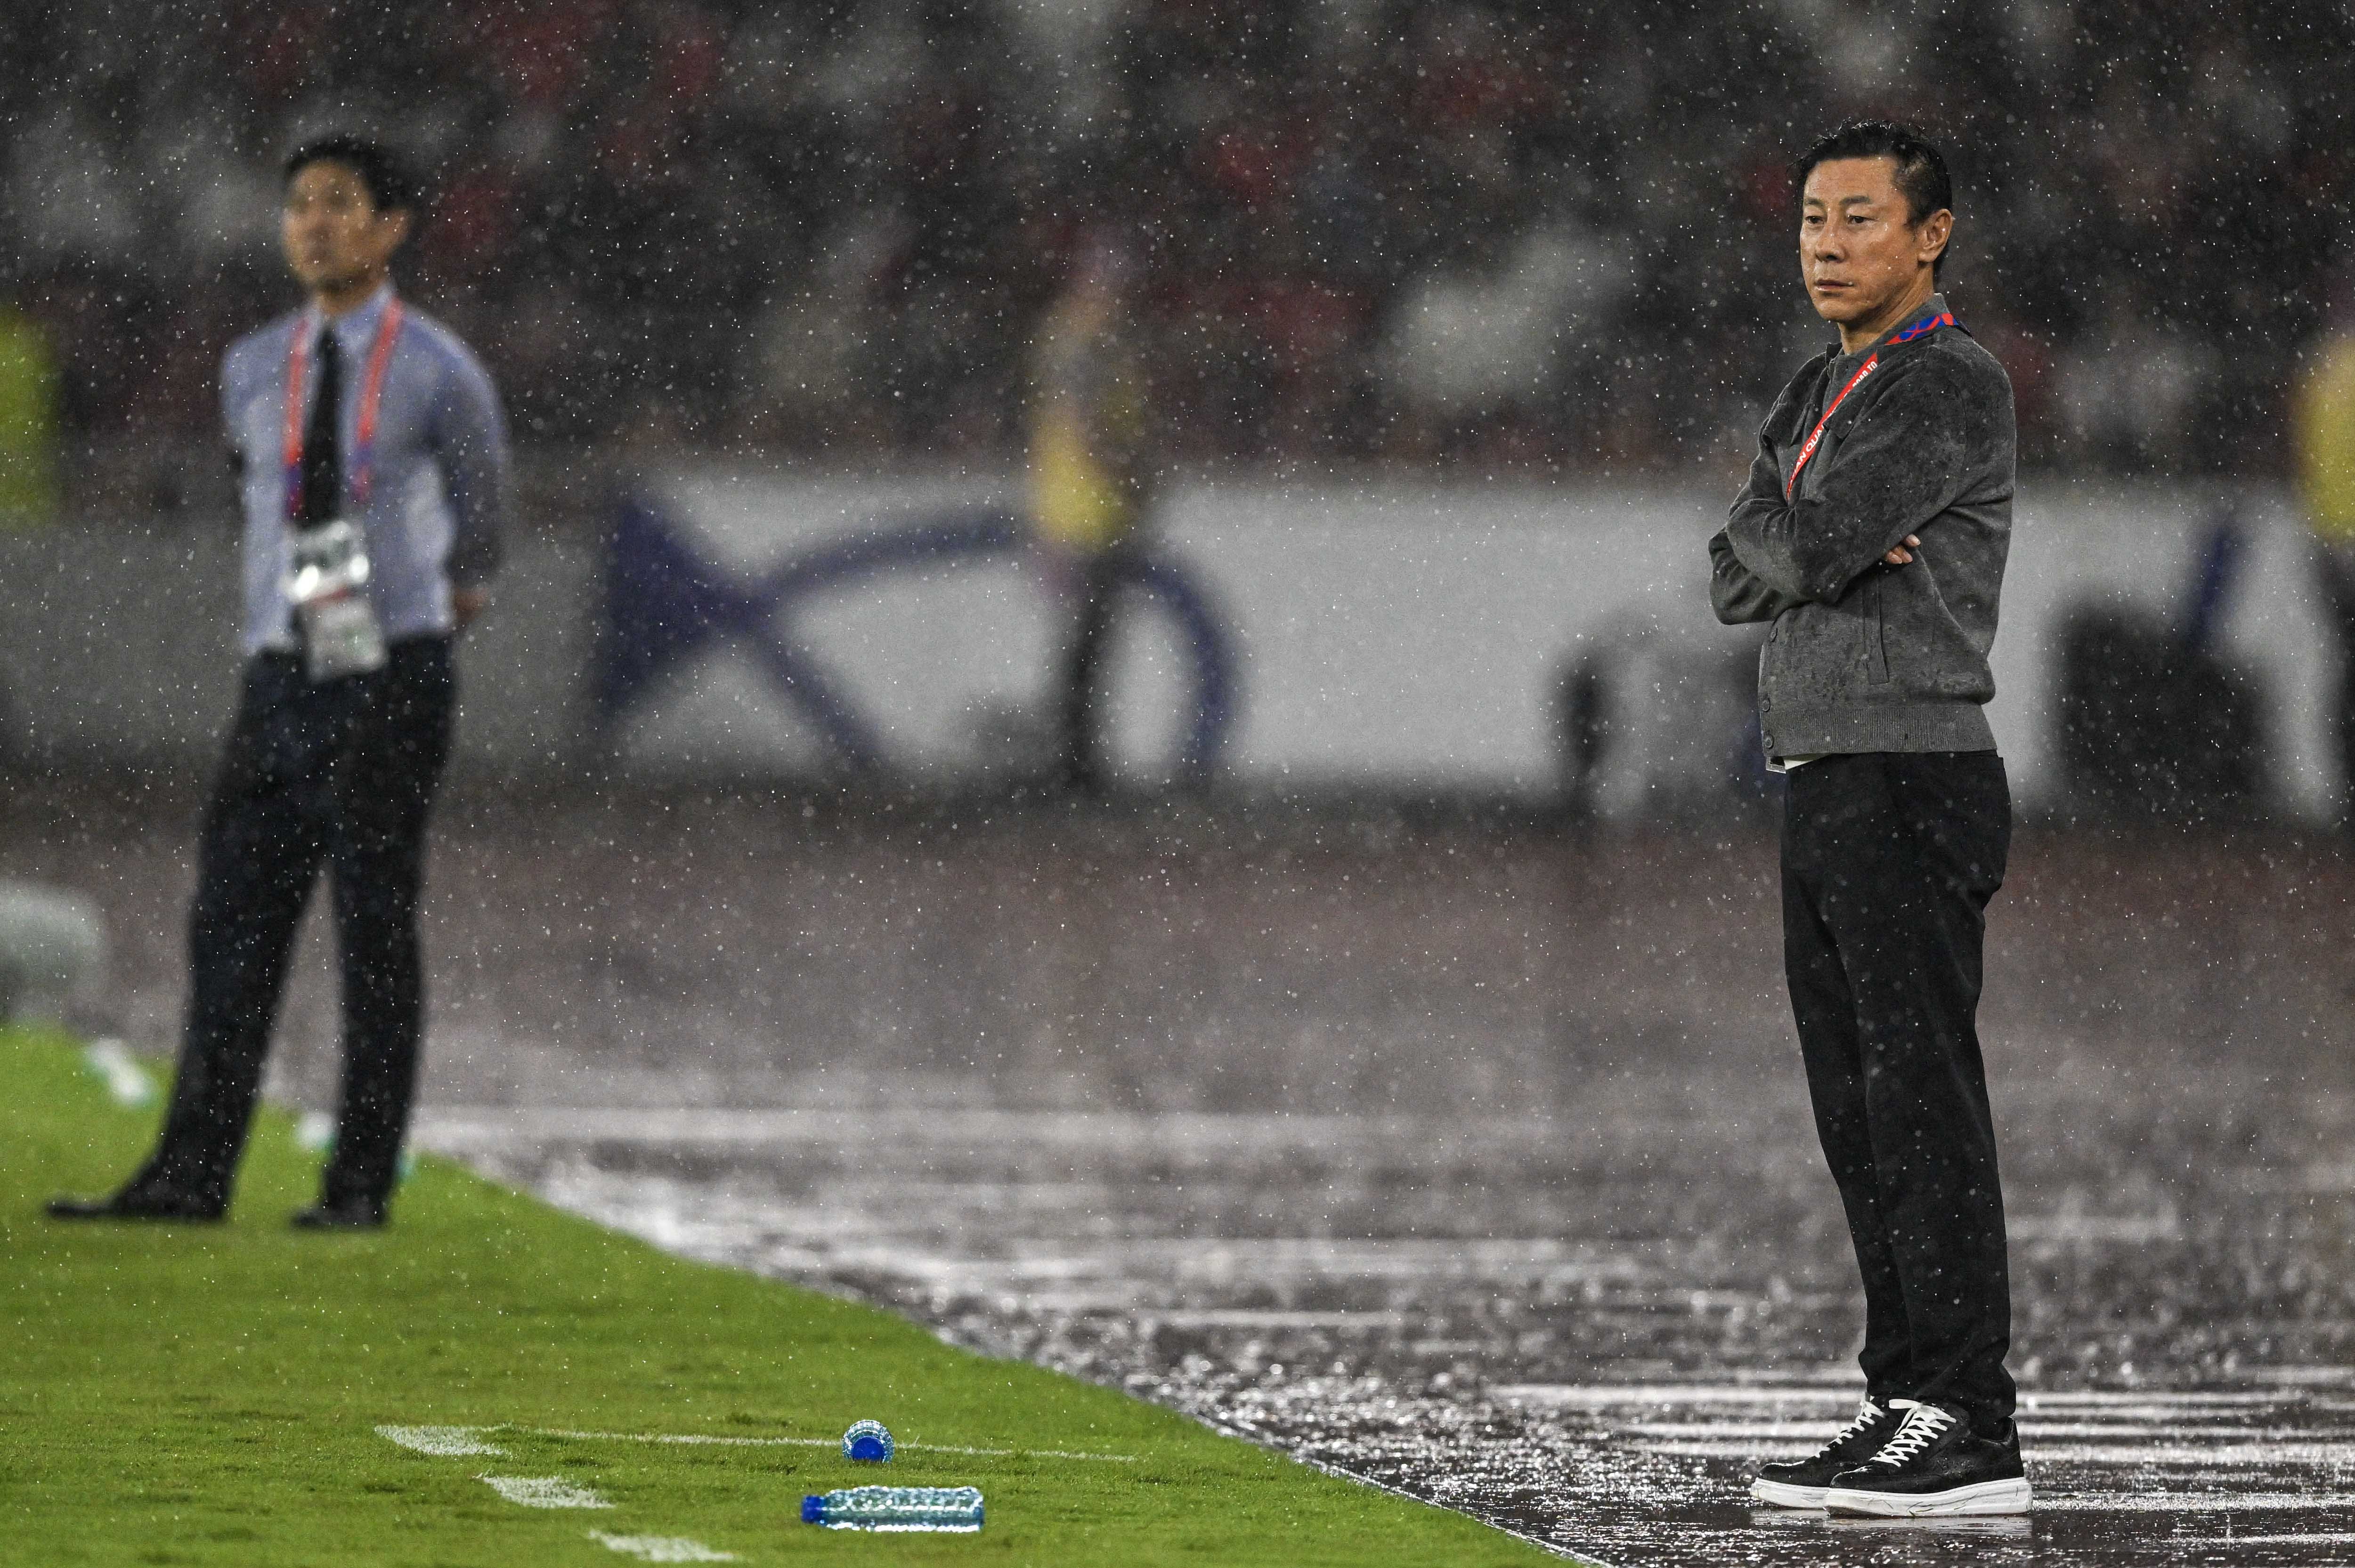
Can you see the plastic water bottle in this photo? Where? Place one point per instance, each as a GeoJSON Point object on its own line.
{"type": "Point", "coordinates": [946, 1509]}
{"type": "Point", "coordinates": [868, 1442]}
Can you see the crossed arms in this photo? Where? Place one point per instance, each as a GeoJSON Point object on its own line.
{"type": "Point", "coordinates": [1904, 462]}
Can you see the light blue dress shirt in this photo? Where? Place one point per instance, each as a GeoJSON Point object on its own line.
{"type": "Point", "coordinates": [437, 507]}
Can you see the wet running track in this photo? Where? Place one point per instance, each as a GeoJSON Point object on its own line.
{"type": "Point", "coordinates": [1469, 1161]}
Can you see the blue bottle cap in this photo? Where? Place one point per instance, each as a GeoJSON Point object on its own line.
{"type": "Point", "coordinates": [812, 1511]}
{"type": "Point", "coordinates": [869, 1442]}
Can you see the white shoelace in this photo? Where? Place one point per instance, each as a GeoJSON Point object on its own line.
{"type": "Point", "coordinates": [1922, 1425]}
{"type": "Point", "coordinates": [1866, 1415]}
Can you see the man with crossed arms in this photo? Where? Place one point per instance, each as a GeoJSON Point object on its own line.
{"type": "Point", "coordinates": [1870, 541]}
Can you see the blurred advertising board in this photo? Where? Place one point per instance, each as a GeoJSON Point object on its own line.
{"type": "Point", "coordinates": [1320, 638]}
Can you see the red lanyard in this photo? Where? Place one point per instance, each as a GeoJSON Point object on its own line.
{"type": "Point", "coordinates": [1922, 328]}
{"type": "Point", "coordinates": [298, 365]}
{"type": "Point", "coordinates": [1816, 436]}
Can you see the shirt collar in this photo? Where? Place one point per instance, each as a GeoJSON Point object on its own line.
{"type": "Point", "coordinates": [355, 328]}
{"type": "Point", "coordinates": [1934, 305]}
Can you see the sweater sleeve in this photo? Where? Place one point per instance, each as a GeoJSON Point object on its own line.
{"type": "Point", "coordinates": [1734, 591]}
{"type": "Point", "coordinates": [1909, 456]}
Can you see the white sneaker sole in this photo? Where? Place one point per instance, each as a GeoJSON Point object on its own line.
{"type": "Point", "coordinates": [1982, 1497]}
{"type": "Point", "coordinates": [1783, 1495]}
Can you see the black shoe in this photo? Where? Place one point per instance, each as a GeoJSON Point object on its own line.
{"type": "Point", "coordinates": [1801, 1483]}
{"type": "Point", "coordinates": [140, 1201]}
{"type": "Point", "coordinates": [353, 1215]}
{"type": "Point", "coordinates": [1935, 1467]}
{"type": "Point", "coordinates": [1077, 778]}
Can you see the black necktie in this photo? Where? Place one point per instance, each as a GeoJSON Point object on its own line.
{"type": "Point", "coordinates": [322, 455]}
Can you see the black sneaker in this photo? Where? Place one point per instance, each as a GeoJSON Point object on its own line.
{"type": "Point", "coordinates": [140, 1203]}
{"type": "Point", "coordinates": [1935, 1468]}
{"type": "Point", "coordinates": [1801, 1483]}
{"type": "Point", "coordinates": [350, 1215]}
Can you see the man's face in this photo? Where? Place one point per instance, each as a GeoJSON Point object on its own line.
{"type": "Point", "coordinates": [336, 236]}
{"type": "Point", "coordinates": [1857, 250]}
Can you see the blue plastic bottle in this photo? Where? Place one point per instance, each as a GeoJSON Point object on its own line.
{"type": "Point", "coordinates": [948, 1509]}
{"type": "Point", "coordinates": [869, 1442]}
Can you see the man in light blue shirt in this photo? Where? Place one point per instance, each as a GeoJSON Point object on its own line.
{"type": "Point", "coordinates": [373, 468]}
{"type": "Point", "coordinates": [437, 499]}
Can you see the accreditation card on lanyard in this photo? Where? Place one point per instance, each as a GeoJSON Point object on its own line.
{"type": "Point", "coordinates": [1922, 328]}
{"type": "Point", "coordinates": [327, 564]}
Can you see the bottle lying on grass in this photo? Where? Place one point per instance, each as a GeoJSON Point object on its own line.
{"type": "Point", "coordinates": [896, 1507]}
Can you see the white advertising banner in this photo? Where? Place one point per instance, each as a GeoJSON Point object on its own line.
{"type": "Point", "coordinates": [1316, 637]}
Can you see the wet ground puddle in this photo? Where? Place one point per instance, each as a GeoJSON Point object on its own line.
{"type": "Point", "coordinates": [1604, 1395]}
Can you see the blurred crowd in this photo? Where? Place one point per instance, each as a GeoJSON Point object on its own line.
{"type": "Point", "coordinates": [1503, 234]}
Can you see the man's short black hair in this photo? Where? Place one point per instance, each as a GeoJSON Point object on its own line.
{"type": "Point", "coordinates": [388, 183]}
{"type": "Point", "coordinates": [1921, 175]}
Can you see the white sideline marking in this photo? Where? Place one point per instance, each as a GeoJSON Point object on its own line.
{"type": "Point", "coordinates": [543, 1491]}
{"type": "Point", "coordinates": [127, 1083]}
{"type": "Point", "coordinates": [2132, 1228]}
{"type": "Point", "coordinates": [1701, 1449]}
{"type": "Point", "coordinates": [660, 1548]}
{"type": "Point", "coordinates": [2030, 1430]}
{"type": "Point", "coordinates": [704, 1439]}
{"type": "Point", "coordinates": [455, 1129]}
{"type": "Point", "coordinates": [2186, 1502]}
{"type": "Point", "coordinates": [2197, 1454]}
{"type": "Point", "coordinates": [2151, 1404]}
{"type": "Point", "coordinates": [2302, 1376]}
{"type": "Point", "coordinates": [2254, 1453]}
{"type": "Point", "coordinates": [1635, 1396]}
{"type": "Point", "coordinates": [443, 1442]}
{"type": "Point", "coordinates": [2159, 1400]}
{"type": "Point", "coordinates": [1275, 1317]}
{"type": "Point", "coordinates": [2327, 1538]}
{"type": "Point", "coordinates": [1961, 1524]}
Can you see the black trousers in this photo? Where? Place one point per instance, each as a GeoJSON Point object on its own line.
{"type": "Point", "coordinates": [2335, 565]}
{"type": "Point", "coordinates": [340, 773]}
{"type": "Point", "coordinates": [1081, 764]}
{"type": "Point", "coordinates": [1889, 860]}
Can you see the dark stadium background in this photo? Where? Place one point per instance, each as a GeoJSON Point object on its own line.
{"type": "Point", "coordinates": [825, 227]}
{"type": "Point", "coordinates": [1345, 1122]}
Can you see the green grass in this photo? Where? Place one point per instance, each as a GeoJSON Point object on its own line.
{"type": "Point", "coordinates": [209, 1395]}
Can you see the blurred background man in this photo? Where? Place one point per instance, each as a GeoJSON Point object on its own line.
{"type": "Point", "coordinates": [353, 412]}
{"type": "Point", "coordinates": [1091, 487]}
{"type": "Point", "coordinates": [2326, 473]}
{"type": "Point", "coordinates": [29, 495]}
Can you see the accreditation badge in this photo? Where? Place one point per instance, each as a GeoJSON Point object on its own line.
{"type": "Point", "coordinates": [326, 582]}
